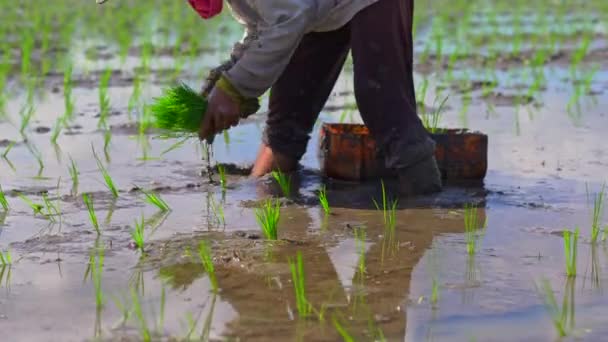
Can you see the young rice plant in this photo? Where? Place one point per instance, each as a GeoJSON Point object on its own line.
{"type": "Point", "coordinates": [297, 276]}
{"type": "Point", "coordinates": [268, 218]}
{"type": "Point", "coordinates": [88, 202]}
{"type": "Point", "coordinates": [570, 251]}
{"type": "Point", "coordinates": [204, 253]}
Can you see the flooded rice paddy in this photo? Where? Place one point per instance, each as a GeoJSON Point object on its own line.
{"type": "Point", "coordinates": [76, 78]}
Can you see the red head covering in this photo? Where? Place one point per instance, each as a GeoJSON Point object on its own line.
{"type": "Point", "coordinates": [207, 8]}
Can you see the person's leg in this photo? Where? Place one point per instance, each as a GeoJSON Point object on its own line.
{"type": "Point", "coordinates": [297, 98]}
{"type": "Point", "coordinates": [382, 48]}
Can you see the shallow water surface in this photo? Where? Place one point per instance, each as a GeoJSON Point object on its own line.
{"type": "Point", "coordinates": [362, 278]}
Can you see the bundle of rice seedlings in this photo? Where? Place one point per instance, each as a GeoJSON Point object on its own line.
{"type": "Point", "coordinates": [180, 109]}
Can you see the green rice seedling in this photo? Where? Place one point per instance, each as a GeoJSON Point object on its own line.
{"type": "Point", "coordinates": [570, 251]}
{"type": "Point", "coordinates": [268, 218]}
{"type": "Point", "coordinates": [218, 210]}
{"type": "Point", "coordinates": [221, 170]}
{"type": "Point", "coordinates": [138, 234]}
{"type": "Point", "coordinates": [124, 306]}
{"type": "Point", "coordinates": [360, 246]}
{"type": "Point", "coordinates": [344, 334]}
{"type": "Point", "coordinates": [156, 200]}
{"type": "Point", "coordinates": [36, 208]}
{"type": "Point", "coordinates": [135, 95]}
{"type": "Point", "coordinates": [106, 175]}
{"type": "Point", "coordinates": [139, 313]}
{"type": "Point", "coordinates": [107, 138]}
{"type": "Point", "coordinates": [204, 253]}
{"type": "Point", "coordinates": [598, 206]}
{"type": "Point", "coordinates": [5, 258]}
{"type": "Point", "coordinates": [96, 275]}
{"type": "Point", "coordinates": [34, 151]}
{"type": "Point", "coordinates": [323, 200]}
{"type": "Point", "coordinates": [3, 200]}
{"type": "Point", "coordinates": [26, 113]}
{"type": "Point", "coordinates": [67, 94]}
{"type": "Point", "coordinates": [180, 109]}
{"type": "Point", "coordinates": [8, 149]}
{"type": "Point", "coordinates": [435, 292]}
{"type": "Point", "coordinates": [73, 170]}
{"type": "Point", "coordinates": [581, 51]}
{"type": "Point", "coordinates": [88, 202]}
{"type": "Point", "coordinates": [51, 210]}
{"type": "Point", "coordinates": [57, 127]}
{"type": "Point", "coordinates": [104, 99]}
{"type": "Point", "coordinates": [297, 276]}
{"type": "Point", "coordinates": [421, 93]}
{"type": "Point", "coordinates": [7, 280]}
{"type": "Point", "coordinates": [561, 317]}
{"type": "Point", "coordinates": [27, 46]}
{"type": "Point", "coordinates": [389, 208]}
{"type": "Point", "coordinates": [471, 224]}
{"type": "Point", "coordinates": [284, 182]}
{"type": "Point", "coordinates": [431, 120]}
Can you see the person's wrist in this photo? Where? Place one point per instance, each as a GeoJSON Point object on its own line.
{"type": "Point", "coordinates": [247, 106]}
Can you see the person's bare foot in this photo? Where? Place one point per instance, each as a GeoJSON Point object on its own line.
{"type": "Point", "coordinates": [268, 161]}
{"type": "Point", "coordinates": [420, 179]}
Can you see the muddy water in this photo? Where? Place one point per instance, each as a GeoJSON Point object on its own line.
{"type": "Point", "coordinates": [542, 160]}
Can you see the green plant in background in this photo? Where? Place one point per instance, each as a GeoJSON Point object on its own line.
{"type": "Point", "coordinates": [88, 202]}
{"type": "Point", "coordinates": [5, 258]}
{"type": "Point", "coordinates": [561, 317]}
{"type": "Point", "coordinates": [73, 170]}
{"type": "Point", "coordinates": [139, 313]}
{"type": "Point", "coordinates": [388, 208]}
{"type": "Point", "coordinates": [36, 208]}
{"type": "Point", "coordinates": [156, 200]}
{"type": "Point", "coordinates": [8, 149]}
{"type": "Point", "coordinates": [96, 275]}
{"type": "Point", "coordinates": [3, 200]}
{"type": "Point", "coordinates": [68, 102]}
{"type": "Point", "coordinates": [26, 113]}
{"type": "Point", "coordinates": [323, 200]}
{"type": "Point", "coordinates": [180, 109]}
{"type": "Point", "coordinates": [106, 175]}
{"type": "Point", "coordinates": [297, 276]}
{"type": "Point", "coordinates": [51, 209]}
{"type": "Point", "coordinates": [360, 237]}
{"type": "Point", "coordinates": [217, 209]}
{"type": "Point", "coordinates": [27, 45]}
{"type": "Point", "coordinates": [284, 182]}
{"type": "Point", "coordinates": [204, 253]}
{"type": "Point", "coordinates": [104, 99]}
{"type": "Point", "coordinates": [268, 215]}
{"type": "Point", "coordinates": [471, 225]}
{"type": "Point", "coordinates": [344, 334]}
{"type": "Point", "coordinates": [138, 234]}
{"type": "Point", "coordinates": [570, 251]}
{"type": "Point", "coordinates": [431, 120]}
{"type": "Point", "coordinates": [598, 206]}
{"type": "Point", "coordinates": [221, 170]}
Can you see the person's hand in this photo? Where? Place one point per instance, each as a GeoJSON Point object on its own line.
{"type": "Point", "coordinates": [223, 112]}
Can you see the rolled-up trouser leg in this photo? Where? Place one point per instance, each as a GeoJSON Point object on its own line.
{"type": "Point", "coordinates": [302, 90]}
{"type": "Point", "coordinates": [382, 48]}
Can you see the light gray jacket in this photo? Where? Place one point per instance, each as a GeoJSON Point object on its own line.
{"type": "Point", "coordinates": [273, 30]}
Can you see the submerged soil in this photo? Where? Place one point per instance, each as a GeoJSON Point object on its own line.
{"type": "Point", "coordinates": [545, 158]}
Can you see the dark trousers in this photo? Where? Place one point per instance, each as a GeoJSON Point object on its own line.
{"type": "Point", "coordinates": [380, 38]}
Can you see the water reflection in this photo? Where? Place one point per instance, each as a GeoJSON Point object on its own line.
{"type": "Point", "coordinates": [358, 276]}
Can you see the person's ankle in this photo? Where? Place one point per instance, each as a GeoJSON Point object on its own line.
{"type": "Point", "coordinates": [420, 179]}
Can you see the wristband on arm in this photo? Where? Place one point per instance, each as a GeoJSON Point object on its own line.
{"type": "Point", "coordinates": [247, 106]}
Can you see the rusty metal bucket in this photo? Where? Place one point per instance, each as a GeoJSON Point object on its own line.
{"type": "Point", "coordinates": [348, 152]}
